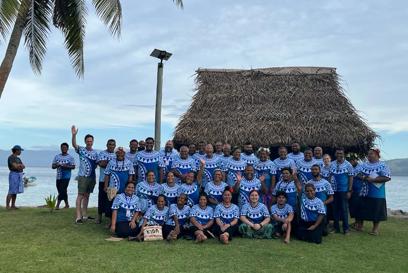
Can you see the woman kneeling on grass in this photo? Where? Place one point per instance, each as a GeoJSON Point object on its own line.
{"type": "Point", "coordinates": [125, 213]}
{"type": "Point", "coordinates": [312, 212]}
{"type": "Point", "coordinates": [157, 215]}
{"type": "Point", "coordinates": [255, 219]}
{"type": "Point", "coordinates": [202, 219]}
{"type": "Point", "coordinates": [226, 218]}
{"type": "Point", "coordinates": [282, 214]}
{"type": "Point", "coordinates": [182, 212]}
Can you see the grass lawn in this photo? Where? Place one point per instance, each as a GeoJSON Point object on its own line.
{"type": "Point", "coordinates": [34, 240]}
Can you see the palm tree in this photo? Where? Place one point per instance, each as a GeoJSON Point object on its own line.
{"type": "Point", "coordinates": [33, 19]}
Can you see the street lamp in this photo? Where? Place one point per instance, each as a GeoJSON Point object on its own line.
{"type": "Point", "coordinates": [162, 55]}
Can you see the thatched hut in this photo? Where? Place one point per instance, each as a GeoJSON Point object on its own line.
{"type": "Point", "coordinates": [272, 107]}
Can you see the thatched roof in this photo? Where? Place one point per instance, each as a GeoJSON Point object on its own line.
{"type": "Point", "coordinates": [273, 106]}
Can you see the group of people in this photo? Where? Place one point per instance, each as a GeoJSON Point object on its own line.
{"type": "Point", "coordinates": [204, 191]}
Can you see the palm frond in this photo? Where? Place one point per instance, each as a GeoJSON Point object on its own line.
{"type": "Point", "coordinates": [8, 12]}
{"type": "Point", "coordinates": [110, 12]}
{"type": "Point", "coordinates": [36, 31]}
{"type": "Point", "coordinates": [69, 17]}
{"type": "Point", "coordinates": [179, 3]}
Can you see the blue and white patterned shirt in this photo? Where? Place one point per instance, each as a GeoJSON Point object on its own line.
{"type": "Point", "coordinates": [61, 159]}
{"type": "Point", "coordinates": [233, 167]}
{"type": "Point", "coordinates": [87, 162]}
{"type": "Point", "coordinates": [323, 188]}
{"type": "Point", "coordinates": [149, 192]}
{"type": "Point", "coordinates": [183, 166]}
{"type": "Point", "coordinates": [215, 191]}
{"type": "Point", "coordinates": [245, 187]}
{"type": "Point", "coordinates": [304, 169]}
{"type": "Point", "coordinates": [166, 159]}
{"type": "Point", "coordinates": [202, 216]}
{"type": "Point", "coordinates": [266, 168]}
{"type": "Point", "coordinates": [119, 172]}
{"type": "Point", "coordinates": [296, 157]}
{"type": "Point", "coordinates": [255, 214]}
{"type": "Point", "coordinates": [373, 170]}
{"type": "Point", "coordinates": [311, 208]}
{"type": "Point", "coordinates": [147, 161]}
{"type": "Point", "coordinates": [211, 164]}
{"type": "Point", "coordinates": [283, 163]}
{"type": "Point", "coordinates": [281, 212]}
{"type": "Point", "coordinates": [155, 216]}
{"type": "Point", "coordinates": [192, 191]}
{"type": "Point", "coordinates": [182, 215]}
{"type": "Point", "coordinates": [102, 156]}
{"type": "Point", "coordinates": [126, 206]}
{"type": "Point", "coordinates": [340, 173]}
{"type": "Point", "coordinates": [289, 188]}
{"type": "Point", "coordinates": [131, 156]}
{"type": "Point", "coordinates": [226, 215]}
{"type": "Point", "coordinates": [249, 159]}
{"type": "Point", "coordinates": [171, 193]}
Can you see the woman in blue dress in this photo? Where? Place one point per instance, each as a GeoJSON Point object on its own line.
{"type": "Point", "coordinates": [312, 212]}
{"type": "Point", "coordinates": [226, 218]}
{"type": "Point", "coordinates": [192, 187]}
{"type": "Point", "coordinates": [202, 219]}
{"type": "Point", "coordinates": [373, 207]}
{"type": "Point", "coordinates": [125, 212]}
{"type": "Point", "coordinates": [265, 167]}
{"type": "Point", "coordinates": [170, 189]}
{"type": "Point", "coordinates": [148, 190]}
{"type": "Point", "coordinates": [255, 219]}
{"type": "Point", "coordinates": [215, 188]}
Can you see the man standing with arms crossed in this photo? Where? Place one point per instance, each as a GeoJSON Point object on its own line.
{"type": "Point", "coordinates": [86, 174]}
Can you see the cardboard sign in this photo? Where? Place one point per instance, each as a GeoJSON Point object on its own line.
{"type": "Point", "coordinates": [153, 233]}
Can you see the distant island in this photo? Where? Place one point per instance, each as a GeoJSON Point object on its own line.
{"type": "Point", "coordinates": [43, 158]}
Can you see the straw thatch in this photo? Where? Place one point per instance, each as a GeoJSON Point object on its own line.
{"type": "Point", "coordinates": [271, 107]}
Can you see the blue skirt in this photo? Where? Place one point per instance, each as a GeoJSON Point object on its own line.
{"type": "Point", "coordinates": [16, 184]}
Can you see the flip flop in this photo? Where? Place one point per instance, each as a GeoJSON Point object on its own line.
{"type": "Point", "coordinates": [374, 233]}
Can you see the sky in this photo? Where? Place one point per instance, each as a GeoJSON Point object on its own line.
{"type": "Point", "coordinates": [367, 41]}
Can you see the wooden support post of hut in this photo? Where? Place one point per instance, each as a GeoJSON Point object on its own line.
{"type": "Point", "coordinates": [271, 107]}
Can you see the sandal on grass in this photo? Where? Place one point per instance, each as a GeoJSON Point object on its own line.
{"type": "Point", "coordinates": [374, 233]}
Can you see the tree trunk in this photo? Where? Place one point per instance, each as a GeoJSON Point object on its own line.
{"type": "Point", "coordinates": [13, 45]}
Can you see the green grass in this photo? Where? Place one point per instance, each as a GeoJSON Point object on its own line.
{"type": "Point", "coordinates": [35, 240]}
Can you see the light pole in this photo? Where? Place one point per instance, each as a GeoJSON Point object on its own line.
{"type": "Point", "coordinates": [162, 55]}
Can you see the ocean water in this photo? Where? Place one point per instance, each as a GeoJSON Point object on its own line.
{"type": "Point", "coordinates": [397, 193]}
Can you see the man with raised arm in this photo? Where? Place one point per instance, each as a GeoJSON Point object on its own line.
{"type": "Point", "coordinates": [86, 174]}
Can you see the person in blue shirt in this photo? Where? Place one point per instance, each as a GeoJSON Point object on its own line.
{"type": "Point", "coordinates": [265, 167]}
{"type": "Point", "coordinates": [296, 154]}
{"type": "Point", "coordinates": [218, 149]}
{"type": "Point", "coordinates": [304, 166]}
{"type": "Point", "coordinates": [167, 156]}
{"type": "Point", "coordinates": [103, 159]}
{"type": "Point", "coordinates": [64, 163]}
{"type": "Point", "coordinates": [131, 155]}
{"type": "Point", "coordinates": [149, 190]}
{"type": "Point", "coordinates": [200, 151]}
{"type": "Point", "coordinates": [125, 213]}
{"type": "Point", "coordinates": [354, 201]}
{"type": "Point", "coordinates": [255, 219]}
{"type": "Point", "coordinates": [147, 160]}
{"type": "Point", "coordinates": [86, 174]}
{"type": "Point", "coordinates": [202, 219]}
{"type": "Point", "coordinates": [289, 184]}
{"type": "Point", "coordinates": [233, 168]}
{"type": "Point", "coordinates": [324, 192]}
{"type": "Point", "coordinates": [182, 165]}
{"type": "Point", "coordinates": [215, 188]}
{"type": "Point", "coordinates": [170, 189]}
{"type": "Point", "coordinates": [325, 173]}
{"type": "Point", "coordinates": [212, 162]}
{"type": "Point", "coordinates": [312, 213]}
{"type": "Point", "coordinates": [226, 216]}
{"type": "Point", "coordinates": [318, 155]}
{"type": "Point", "coordinates": [226, 154]}
{"type": "Point", "coordinates": [192, 186]}
{"type": "Point", "coordinates": [374, 174]}
{"type": "Point", "coordinates": [16, 184]}
{"type": "Point", "coordinates": [282, 215]}
{"type": "Point", "coordinates": [172, 230]}
{"type": "Point", "coordinates": [283, 161]}
{"type": "Point", "coordinates": [248, 154]}
{"type": "Point", "coordinates": [247, 183]}
{"type": "Point", "coordinates": [157, 215]}
{"type": "Point", "coordinates": [342, 174]}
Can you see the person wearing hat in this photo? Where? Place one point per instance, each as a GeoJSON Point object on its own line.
{"type": "Point", "coordinates": [16, 184]}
